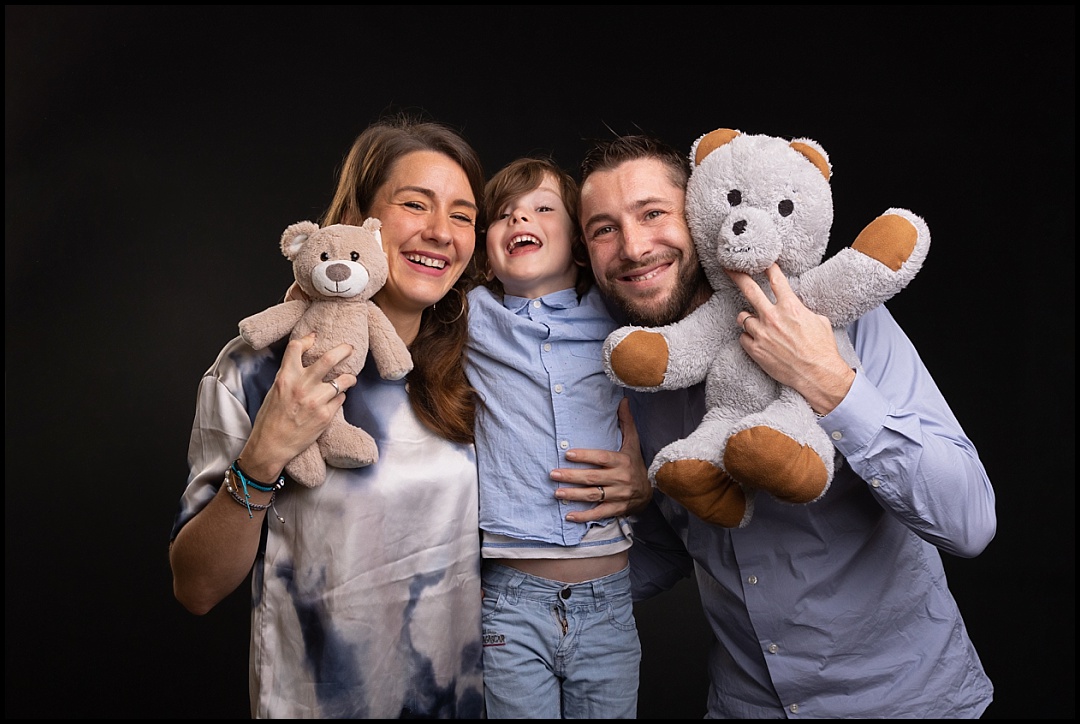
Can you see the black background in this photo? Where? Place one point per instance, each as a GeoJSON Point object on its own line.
{"type": "Point", "coordinates": [154, 155]}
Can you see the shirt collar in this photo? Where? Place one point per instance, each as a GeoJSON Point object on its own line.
{"type": "Point", "coordinates": [562, 299]}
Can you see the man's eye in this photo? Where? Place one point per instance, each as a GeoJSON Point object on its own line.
{"type": "Point", "coordinates": [601, 231]}
{"type": "Point", "coordinates": [654, 214]}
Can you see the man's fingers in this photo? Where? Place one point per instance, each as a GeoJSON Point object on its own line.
{"type": "Point", "coordinates": [778, 282]}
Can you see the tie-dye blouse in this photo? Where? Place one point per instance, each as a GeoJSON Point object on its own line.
{"type": "Point", "coordinates": [366, 600]}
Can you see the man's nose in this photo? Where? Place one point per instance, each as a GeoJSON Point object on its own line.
{"type": "Point", "coordinates": [636, 244]}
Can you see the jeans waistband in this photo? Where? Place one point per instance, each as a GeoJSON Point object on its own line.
{"type": "Point", "coordinates": [519, 584]}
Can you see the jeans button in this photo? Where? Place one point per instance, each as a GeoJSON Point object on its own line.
{"type": "Point", "coordinates": [565, 593]}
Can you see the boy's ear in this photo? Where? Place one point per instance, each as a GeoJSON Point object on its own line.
{"type": "Point", "coordinates": [580, 263]}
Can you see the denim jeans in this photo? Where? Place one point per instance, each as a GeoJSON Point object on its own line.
{"type": "Point", "coordinates": [558, 650]}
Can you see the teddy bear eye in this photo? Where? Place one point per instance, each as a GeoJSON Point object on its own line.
{"type": "Point", "coordinates": [786, 207]}
{"type": "Point", "coordinates": [354, 255]}
{"type": "Point", "coordinates": [734, 197]}
{"type": "Point", "coordinates": [324, 256]}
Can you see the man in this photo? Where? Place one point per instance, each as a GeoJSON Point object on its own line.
{"type": "Point", "coordinates": [838, 608]}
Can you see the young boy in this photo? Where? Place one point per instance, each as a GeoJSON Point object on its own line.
{"type": "Point", "coordinates": [560, 640]}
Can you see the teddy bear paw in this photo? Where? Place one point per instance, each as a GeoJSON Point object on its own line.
{"type": "Point", "coordinates": [890, 239]}
{"type": "Point", "coordinates": [641, 359]}
{"type": "Point", "coordinates": [770, 460]}
{"type": "Point", "coordinates": [706, 491]}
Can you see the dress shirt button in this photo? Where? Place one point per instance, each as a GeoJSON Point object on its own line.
{"type": "Point", "coordinates": [565, 593]}
{"type": "Point", "coordinates": [547, 346]}
{"type": "Point", "coordinates": [536, 303]}
{"type": "Point", "coordinates": [875, 483]}
{"type": "Point", "coordinates": [794, 708]}
{"type": "Point", "coordinates": [752, 580]}
{"type": "Point", "coordinates": [773, 648]}
{"type": "Point", "coordinates": [564, 444]}
{"type": "Point", "coordinates": [558, 389]}
{"type": "Point", "coordinates": [835, 435]}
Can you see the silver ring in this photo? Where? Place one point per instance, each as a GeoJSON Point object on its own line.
{"type": "Point", "coordinates": [603, 494]}
{"type": "Point", "coordinates": [746, 319]}
{"type": "Point", "coordinates": [337, 390]}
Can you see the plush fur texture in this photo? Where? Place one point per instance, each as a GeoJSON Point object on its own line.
{"type": "Point", "coordinates": [339, 268]}
{"type": "Point", "coordinates": [753, 200]}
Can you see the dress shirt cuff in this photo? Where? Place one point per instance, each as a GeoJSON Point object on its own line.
{"type": "Point", "coordinates": [858, 418]}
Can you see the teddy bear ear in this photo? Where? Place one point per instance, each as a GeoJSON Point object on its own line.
{"type": "Point", "coordinates": [293, 238]}
{"type": "Point", "coordinates": [374, 225]}
{"type": "Point", "coordinates": [815, 153]}
{"type": "Point", "coordinates": [709, 143]}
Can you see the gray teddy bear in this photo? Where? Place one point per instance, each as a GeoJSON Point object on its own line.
{"type": "Point", "coordinates": [752, 200]}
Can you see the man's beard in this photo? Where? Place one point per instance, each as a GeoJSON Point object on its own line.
{"type": "Point", "coordinates": [691, 287]}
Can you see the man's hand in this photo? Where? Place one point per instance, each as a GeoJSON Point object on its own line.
{"type": "Point", "coordinates": [619, 484]}
{"type": "Point", "coordinates": [795, 346]}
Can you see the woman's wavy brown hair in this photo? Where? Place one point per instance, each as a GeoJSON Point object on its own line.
{"type": "Point", "coordinates": [438, 390]}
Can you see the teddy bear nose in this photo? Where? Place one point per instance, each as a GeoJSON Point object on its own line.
{"type": "Point", "coordinates": [739, 227]}
{"type": "Point", "coordinates": [338, 272]}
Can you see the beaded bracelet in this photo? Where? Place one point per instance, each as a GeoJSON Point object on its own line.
{"type": "Point", "coordinates": [246, 500]}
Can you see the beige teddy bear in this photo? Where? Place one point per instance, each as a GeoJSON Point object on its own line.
{"type": "Point", "coordinates": [339, 268]}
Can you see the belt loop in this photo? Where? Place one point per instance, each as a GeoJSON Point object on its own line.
{"type": "Point", "coordinates": [598, 590]}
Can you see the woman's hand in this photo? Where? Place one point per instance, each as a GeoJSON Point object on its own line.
{"type": "Point", "coordinates": [619, 484]}
{"type": "Point", "coordinates": [298, 408]}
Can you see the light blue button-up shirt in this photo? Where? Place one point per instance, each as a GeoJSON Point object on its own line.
{"type": "Point", "coordinates": [838, 608]}
{"type": "Point", "coordinates": [537, 366]}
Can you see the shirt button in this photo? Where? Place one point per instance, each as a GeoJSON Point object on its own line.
{"type": "Point", "coordinates": [536, 304]}
{"type": "Point", "coordinates": [558, 389]}
{"type": "Point", "coordinates": [875, 483]}
{"type": "Point", "coordinates": [794, 708]}
{"type": "Point", "coordinates": [564, 444]}
{"type": "Point", "coordinates": [835, 435]}
{"type": "Point", "coordinates": [773, 648]}
{"type": "Point", "coordinates": [547, 347]}
{"type": "Point", "coordinates": [752, 580]}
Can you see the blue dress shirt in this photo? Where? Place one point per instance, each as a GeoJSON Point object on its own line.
{"type": "Point", "coordinates": [838, 608]}
{"type": "Point", "coordinates": [537, 366]}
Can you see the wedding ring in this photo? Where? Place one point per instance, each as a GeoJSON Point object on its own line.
{"type": "Point", "coordinates": [337, 389]}
{"type": "Point", "coordinates": [603, 494]}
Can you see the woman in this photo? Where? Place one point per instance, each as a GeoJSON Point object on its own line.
{"type": "Point", "coordinates": [366, 590]}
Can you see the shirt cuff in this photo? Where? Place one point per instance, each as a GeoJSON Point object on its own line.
{"type": "Point", "coordinates": [857, 419]}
